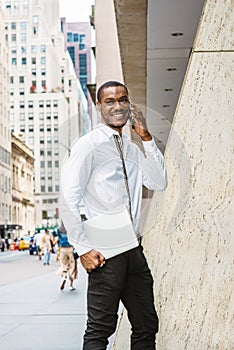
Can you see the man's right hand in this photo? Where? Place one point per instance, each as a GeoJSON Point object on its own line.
{"type": "Point", "coordinates": [92, 259]}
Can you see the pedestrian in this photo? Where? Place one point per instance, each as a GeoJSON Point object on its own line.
{"type": "Point", "coordinates": [37, 241]}
{"type": "Point", "coordinates": [106, 169]}
{"type": "Point", "coordinates": [46, 246]}
{"type": "Point", "coordinates": [68, 264]}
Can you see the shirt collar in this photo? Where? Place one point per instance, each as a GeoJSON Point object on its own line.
{"type": "Point", "coordinates": [110, 132]}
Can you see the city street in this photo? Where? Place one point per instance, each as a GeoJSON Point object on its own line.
{"type": "Point", "coordinates": [34, 313]}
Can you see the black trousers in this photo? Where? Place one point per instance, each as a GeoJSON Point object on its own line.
{"type": "Point", "coordinates": [125, 277]}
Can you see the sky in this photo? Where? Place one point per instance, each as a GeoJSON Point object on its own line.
{"type": "Point", "coordinates": [75, 10]}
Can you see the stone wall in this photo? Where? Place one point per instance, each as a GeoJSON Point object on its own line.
{"type": "Point", "coordinates": [189, 230]}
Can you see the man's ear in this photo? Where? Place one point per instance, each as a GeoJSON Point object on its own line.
{"type": "Point", "coordinates": [99, 106]}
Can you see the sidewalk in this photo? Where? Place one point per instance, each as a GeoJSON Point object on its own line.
{"type": "Point", "coordinates": [35, 314]}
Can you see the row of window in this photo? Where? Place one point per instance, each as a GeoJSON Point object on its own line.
{"type": "Point", "coordinates": [5, 184]}
{"type": "Point", "coordinates": [41, 128]}
{"type": "Point", "coordinates": [24, 60]}
{"type": "Point", "coordinates": [16, 4]}
{"type": "Point", "coordinates": [41, 116]}
{"type": "Point", "coordinates": [49, 188]}
{"type": "Point", "coordinates": [22, 24]}
{"type": "Point", "coordinates": [50, 200]}
{"type": "Point", "coordinates": [5, 211]}
{"type": "Point", "coordinates": [49, 163]}
{"type": "Point", "coordinates": [40, 103]}
{"type": "Point", "coordinates": [24, 49]}
{"type": "Point", "coordinates": [49, 152]}
{"type": "Point", "coordinates": [5, 156]}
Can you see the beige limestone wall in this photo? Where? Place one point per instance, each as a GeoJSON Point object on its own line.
{"type": "Point", "coordinates": [189, 231]}
{"type": "Point", "coordinates": [107, 46]}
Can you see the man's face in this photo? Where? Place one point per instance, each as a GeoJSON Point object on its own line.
{"type": "Point", "coordinates": [114, 106]}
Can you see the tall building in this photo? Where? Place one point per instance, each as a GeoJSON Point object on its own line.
{"type": "Point", "coordinates": [22, 188]}
{"type": "Point", "coordinates": [78, 42]}
{"type": "Point", "coordinates": [44, 94]}
{"type": "Point", "coordinates": [5, 136]}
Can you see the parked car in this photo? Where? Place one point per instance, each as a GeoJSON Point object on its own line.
{"type": "Point", "coordinates": [24, 243]}
{"type": "Point", "coordinates": [13, 246]}
{"type": "Point", "coordinates": [32, 247]}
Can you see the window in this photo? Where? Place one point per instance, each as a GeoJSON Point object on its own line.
{"type": "Point", "coordinates": [83, 63]}
{"type": "Point", "coordinates": [21, 104]}
{"type": "Point", "coordinates": [69, 37]}
{"type": "Point", "coordinates": [23, 37]}
{"type": "Point", "coordinates": [43, 48]}
{"type": "Point", "coordinates": [57, 188]}
{"type": "Point", "coordinates": [49, 164]}
{"type": "Point", "coordinates": [13, 37]}
{"type": "Point", "coordinates": [43, 60]}
{"type": "Point", "coordinates": [56, 164]}
{"type": "Point", "coordinates": [56, 140]}
{"type": "Point", "coordinates": [12, 93]}
{"type": "Point", "coordinates": [22, 116]}
{"type": "Point", "coordinates": [30, 116]}
{"type": "Point", "coordinates": [42, 140]}
{"type": "Point", "coordinates": [43, 71]}
{"type": "Point", "coordinates": [48, 116]}
{"type": "Point", "coordinates": [12, 104]}
{"type": "Point", "coordinates": [13, 49]}
{"type": "Point", "coordinates": [33, 49]}
{"type": "Point", "coordinates": [14, 61]}
{"type": "Point", "coordinates": [56, 152]}
{"type": "Point", "coordinates": [55, 115]}
{"type": "Point", "coordinates": [41, 103]}
{"type": "Point", "coordinates": [48, 128]}
{"type": "Point", "coordinates": [34, 61]}
{"type": "Point", "coordinates": [55, 102]}
{"type": "Point", "coordinates": [81, 46]}
{"type": "Point", "coordinates": [30, 104]}
{"type": "Point", "coordinates": [43, 187]}
{"type": "Point", "coordinates": [21, 79]}
{"type": "Point", "coordinates": [82, 42]}
{"type": "Point", "coordinates": [34, 71]}
{"type": "Point", "coordinates": [42, 153]}
{"type": "Point", "coordinates": [23, 25]}
{"type": "Point", "coordinates": [42, 163]}
{"type": "Point", "coordinates": [75, 37]}
{"type": "Point", "coordinates": [21, 92]}
{"type": "Point", "coordinates": [24, 60]}
{"type": "Point", "coordinates": [41, 128]}
{"type": "Point", "coordinates": [49, 140]}
{"type": "Point", "coordinates": [23, 50]}
{"type": "Point", "coordinates": [71, 51]}
{"type": "Point", "coordinates": [50, 189]}
{"type": "Point", "coordinates": [8, 5]}
{"type": "Point", "coordinates": [48, 103]}
{"type": "Point", "coordinates": [30, 128]}
{"type": "Point", "coordinates": [25, 4]}
{"type": "Point", "coordinates": [31, 140]}
{"type": "Point", "coordinates": [35, 19]}
{"type": "Point", "coordinates": [56, 128]}
{"type": "Point", "coordinates": [49, 153]}
{"type": "Point", "coordinates": [41, 116]}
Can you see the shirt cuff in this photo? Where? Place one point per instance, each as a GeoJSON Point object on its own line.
{"type": "Point", "coordinates": [150, 146]}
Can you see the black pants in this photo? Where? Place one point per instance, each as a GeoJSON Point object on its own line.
{"type": "Point", "coordinates": [125, 277]}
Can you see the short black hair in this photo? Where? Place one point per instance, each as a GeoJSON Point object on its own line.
{"type": "Point", "coordinates": [107, 85]}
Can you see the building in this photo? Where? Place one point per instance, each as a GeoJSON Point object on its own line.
{"type": "Point", "coordinates": [5, 135]}
{"type": "Point", "coordinates": [78, 42]}
{"type": "Point", "coordinates": [23, 211]}
{"type": "Point", "coordinates": [177, 59]}
{"type": "Point", "coordinates": [42, 83]}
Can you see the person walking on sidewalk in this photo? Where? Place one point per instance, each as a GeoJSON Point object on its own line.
{"type": "Point", "coordinates": [37, 241]}
{"type": "Point", "coordinates": [46, 246]}
{"type": "Point", "coordinates": [68, 264]}
{"type": "Point", "coordinates": [107, 170]}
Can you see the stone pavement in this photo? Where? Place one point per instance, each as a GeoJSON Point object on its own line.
{"type": "Point", "coordinates": [35, 314]}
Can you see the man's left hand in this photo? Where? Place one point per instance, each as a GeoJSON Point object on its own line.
{"type": "Point", "coordinates": [139, 123]}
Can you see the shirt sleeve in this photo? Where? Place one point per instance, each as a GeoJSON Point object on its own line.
{"type": "Point", "coordinates": [74, 178]}
{"type": "Point", "coordinates": [154, 171]}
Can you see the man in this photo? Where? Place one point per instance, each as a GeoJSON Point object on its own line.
{"type": "Point", "coordinates": [106, 169]}
{"type": "Point", "coordinates": [37, 241]}
{"type": "Point", "coordinates": [46, 242]}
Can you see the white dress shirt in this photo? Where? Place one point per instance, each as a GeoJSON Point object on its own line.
{"type": "Point", "coordinates": [94, 174]}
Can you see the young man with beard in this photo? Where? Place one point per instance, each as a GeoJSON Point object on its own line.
{"type": "Point", "coordinates": [106, 170]}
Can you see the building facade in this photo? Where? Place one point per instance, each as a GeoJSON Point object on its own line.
{"type": "Point", "coordinates": [42, 82]}
{"type": "Point", "coordinates": [78, 42]}
{"type": "Point", "coordinates": [23, 210]}
{"type": "Point", "coordinates": [5, 136]}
